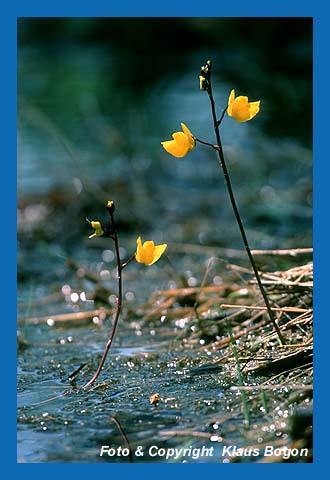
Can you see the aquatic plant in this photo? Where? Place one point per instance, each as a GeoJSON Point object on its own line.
{"type": "Point", "coordinates": [240, 109]}
{"type": "Point", "coordinates": [147, 253]}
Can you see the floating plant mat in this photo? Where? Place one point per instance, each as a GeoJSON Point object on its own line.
{"type": "Point", "coordinates": [179, 345]}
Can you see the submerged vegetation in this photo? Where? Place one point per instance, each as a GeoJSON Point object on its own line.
{"type": "Point", "coordinates": [213, 373]}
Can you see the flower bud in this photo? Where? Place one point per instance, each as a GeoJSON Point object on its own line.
{"type": "Point", "coordinates": [98, 229]}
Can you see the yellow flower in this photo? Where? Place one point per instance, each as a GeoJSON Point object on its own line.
{"type": "Point", "coordinates": [111, 205]}
{"type": "Point", "coordinates": [203, 83]}
{"type": "Point", "coordinates": [98, 229]}
{"type": "Point", "coordinates": [182, 143]}
{"type": "Point", "coordinates": [148, 253]}
{"type": "Point", "coordinates": [240, 108]}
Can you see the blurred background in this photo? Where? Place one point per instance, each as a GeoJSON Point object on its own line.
{"type": "Point", "coordinates": [96, 96]}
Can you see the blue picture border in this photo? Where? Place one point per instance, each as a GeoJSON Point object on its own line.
{"type": "Point", "coordinates": [183, 8]}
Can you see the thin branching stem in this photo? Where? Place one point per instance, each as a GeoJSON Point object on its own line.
{"type": "Point", "coordinates": [205, 143]}
{"type": "Point", "coordinates": [223, 165]}
{"type": "Point", "coordinates": [120, 267]}
{"type": "Point", "coordinates": [124, 264]}
{"type": "Point", "coordinates": [221, 118]}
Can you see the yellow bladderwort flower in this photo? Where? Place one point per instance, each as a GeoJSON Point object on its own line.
{"type": "Point", "coordinates": [241, 109]}
{"type": "Point", "coordinates": [148, 253]}
{"type": "Point", "coordinates": [182, 143]}
{"type": "Point", "coordinates": [98, 229]}
{"type": "Point", "coordinates": [203, 83]}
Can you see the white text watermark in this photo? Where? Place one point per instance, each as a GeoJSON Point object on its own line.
{"type": "Point", "coordinates": [195, 453]}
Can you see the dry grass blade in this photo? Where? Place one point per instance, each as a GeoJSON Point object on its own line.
{"type": "Point", "coordinates": [77, 318]}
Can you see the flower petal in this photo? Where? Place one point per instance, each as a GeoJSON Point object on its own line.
{"type": "Point", "coordinates": [148, 253]}
{"type": "Point", "coordinates": [158, 252]}
{"type": "Point", "coordinates": [98, 229]}
{"type": "Point", "coordinates": [179, 147]}
{"type": "Point", "coordinates": [231, 102]}
{"type": "Point", "coordinates": [182, 143]}
{"type": "Point", "coordinates": [189, 135]}
{"type": "Point", "coordinates": [240, 108]}
{"type": "Point", "coordinates": [139, 250]}
{"type": "Point", "coordinates": [254, 109]}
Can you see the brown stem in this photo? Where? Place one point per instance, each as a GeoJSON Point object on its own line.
{"type": "Point", "coordinates": [124, 264]}
{"type": "Point", "coordinates": [120, 267]}
{"type": "Point", "coordinates": [223, 165]}
{"type": "Point", "coordinates": [122, 432]}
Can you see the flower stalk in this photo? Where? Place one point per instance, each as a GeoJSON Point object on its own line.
{"type": "Point", "coordinates": [120, 266]}
{"type": "Point", "coordinates": [222, 162]}
{"type": "Point", "coordinates": [147, 253]}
